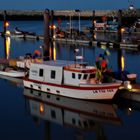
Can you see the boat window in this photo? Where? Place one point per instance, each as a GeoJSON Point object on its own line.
{"type": "Point", "coordinates": [85, 76]}
{"type": "Point", "coordinates": [92, 75]}
{"type": "Point", "coordinates": [41, 72]}
{"type": "Point", "coordinates": [73, 75]}
{"type": "Point", "coordinates": [79, 76]}
{"type": "Point", "coordinates": [52, 74]}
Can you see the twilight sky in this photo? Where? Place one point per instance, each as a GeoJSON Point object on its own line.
{"type": "Point", "coordinates": [66, 4]}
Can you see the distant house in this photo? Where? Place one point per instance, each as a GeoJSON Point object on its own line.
{"type": "Point", "coordinates": [112, 25]}
{"type": "Point", "coordinates": [100, 25]}
{"type": "Point", "coordinates": [131, 7]}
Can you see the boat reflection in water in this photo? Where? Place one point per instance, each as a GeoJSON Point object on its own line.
{"type": "Point", "coordinates": [70, 112]}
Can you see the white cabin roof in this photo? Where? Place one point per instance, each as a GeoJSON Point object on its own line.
{"type": "Point", "coordinates": [59, 63]}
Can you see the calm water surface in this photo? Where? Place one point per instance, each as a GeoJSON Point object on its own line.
{"type": "Point", "coordinates": [25, 118]}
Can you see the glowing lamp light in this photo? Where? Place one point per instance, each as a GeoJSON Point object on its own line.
{"type": "Point", "coordinates": [129, 86]}
{"type": "Point", "coordinates": [94, 21]}
{"type": "Point", "coordinates": [122, 30]}
{"type": "Point", "coordinates": [129, 109]}
{"type": "Point", "coordinates": [6, 24]}
{"type": "Point", "coordinates": [52, 27]}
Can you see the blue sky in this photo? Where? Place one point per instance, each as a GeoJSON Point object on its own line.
{"type": "Point", "coordinates": [66, 4]}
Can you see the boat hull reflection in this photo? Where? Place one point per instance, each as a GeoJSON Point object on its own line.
{"type": "Point", "coordinates": [71, 112]}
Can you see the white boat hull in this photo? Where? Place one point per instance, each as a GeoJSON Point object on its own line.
{"type": "Point", "coordinates": [12, 73]}
{"type": "Point", "coordinates": [94, 92]}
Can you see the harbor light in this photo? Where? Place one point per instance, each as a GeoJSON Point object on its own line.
{"type": "Point", "coordinates": [52, 27]}
{"type": "Point", "coordinates": [6, 24]}
{"type": "Point", "coordinates": [129, 109]}
{"type": "Point", "coordinates": [94, 22]}
{"type": "Point", "coordinates": [127, 85]}
{"type": "Point", "coordinates": [122, 30]}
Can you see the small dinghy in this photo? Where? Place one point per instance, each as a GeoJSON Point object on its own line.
{"type": "Point", "coordinates": [10, 72]}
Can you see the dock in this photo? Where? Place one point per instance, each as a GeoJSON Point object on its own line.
{"type": "Point", "coordinates": [133, 94]}
{"type": "Point", "coordinates": [83, 42]}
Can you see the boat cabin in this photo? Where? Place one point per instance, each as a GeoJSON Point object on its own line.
{"type": "Point", "coordinates": [62, 72]}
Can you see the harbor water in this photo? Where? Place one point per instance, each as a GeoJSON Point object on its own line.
{"type": "Point", "coordinates": [25, 118]}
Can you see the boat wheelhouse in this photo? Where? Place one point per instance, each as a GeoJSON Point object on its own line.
{"type": "Point", "coordinates": [70, 79]}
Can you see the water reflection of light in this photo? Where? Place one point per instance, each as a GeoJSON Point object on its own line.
{"type": "Point", "coordinates": [41, 108]}
{"type": "Point", "coordinates": [122, 62]}
{"type": "Point", "coordinates": [7, 47]}
{"type": "Point", "coordinates": [129, 111]}
{"type": "Point", "coordinates": [95, 36]}
{"type": "Point", "coordinates": [54, 50]}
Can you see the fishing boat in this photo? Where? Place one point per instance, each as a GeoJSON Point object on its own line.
{"type": "Point", "coordinates": [70, 79]}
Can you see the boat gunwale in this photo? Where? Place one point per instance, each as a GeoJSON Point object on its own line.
{"type": "Point", "coordinates": [99, 86]}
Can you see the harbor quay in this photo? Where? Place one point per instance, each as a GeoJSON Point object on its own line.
{"type": "Point", "coordinates": [38, 14]}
